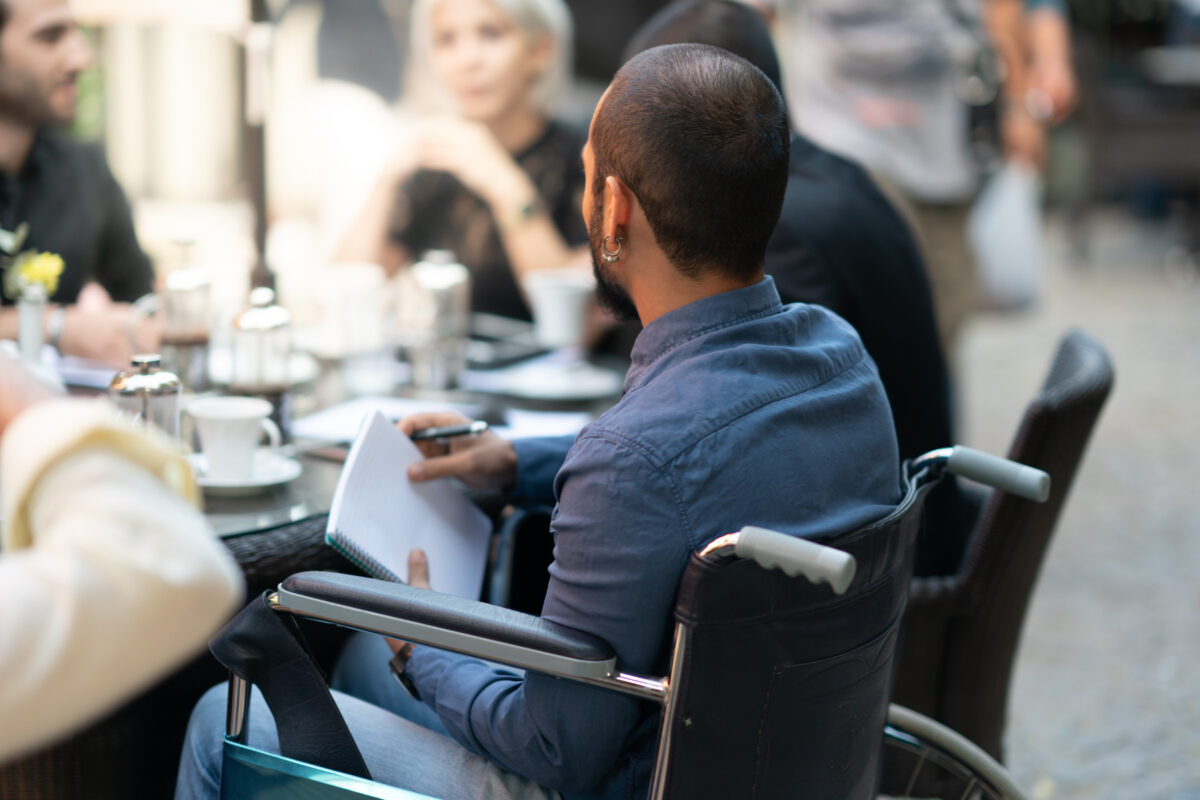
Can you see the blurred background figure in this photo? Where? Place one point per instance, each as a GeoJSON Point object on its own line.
{"type": "Point", "coordinates": [63, 191]}
{"type": "Point", "coordinates": [893, 86]}
{"type": "Point", "coordinates": [484, 170]}
{"type": "Point", "coordinates": [109, 575]}
{"type": "Point", "coordinates": [355, 43]}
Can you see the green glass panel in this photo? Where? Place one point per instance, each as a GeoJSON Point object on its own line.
{"type": "Point", "coordinates": [249, 774]}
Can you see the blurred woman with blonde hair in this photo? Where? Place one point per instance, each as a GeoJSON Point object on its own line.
{"type": "Point", "coordinates": [484, 170]}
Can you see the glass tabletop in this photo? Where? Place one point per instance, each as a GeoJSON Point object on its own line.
{"type": "Point", "coordinates": [308, 495]}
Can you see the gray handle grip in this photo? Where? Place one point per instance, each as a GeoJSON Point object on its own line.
{"type": "Point", "coordinates": [1008, 476]}
{"type": "Point", "coordinates": [797, 556]}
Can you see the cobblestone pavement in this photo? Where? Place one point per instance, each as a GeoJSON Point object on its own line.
{"type": "Point", "coordinates": [1106, 696]}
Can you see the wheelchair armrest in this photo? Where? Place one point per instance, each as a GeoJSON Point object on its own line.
{"type": "Point", "coordinates": [448, 622]}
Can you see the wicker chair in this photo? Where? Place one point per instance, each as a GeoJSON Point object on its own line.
{"type": "Point", "coordinates": [134, 751]}
{"type": "Point", "coordinates": [960, 632]}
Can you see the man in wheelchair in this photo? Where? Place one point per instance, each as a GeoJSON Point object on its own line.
{"type": "Point", "coordinates": [737, 410]}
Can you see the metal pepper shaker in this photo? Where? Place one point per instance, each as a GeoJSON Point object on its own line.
{"type": "Point", "coordinates": [148, 393]}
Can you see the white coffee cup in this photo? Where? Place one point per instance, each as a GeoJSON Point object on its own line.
{"type": "Point", "coordinates": [559, 300]}
{"type": "Point", "coordinates": [229, 429]}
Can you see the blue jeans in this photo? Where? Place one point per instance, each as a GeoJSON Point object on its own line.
{"type": "Point", "coordinates": [402, 741]}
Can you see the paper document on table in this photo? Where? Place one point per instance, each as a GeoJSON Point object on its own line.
{"type": "Point", "coordinates": [340, 423]}
{"type": "Point", "coordinates": [83, 372]}
{"type": "Point", "coordinates": [378, 515]}
{"type": "Point", "coordinates": [520, 423]}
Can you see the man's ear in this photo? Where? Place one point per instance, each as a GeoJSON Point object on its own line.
{"type": "Point", "coordinates": [618, 205]}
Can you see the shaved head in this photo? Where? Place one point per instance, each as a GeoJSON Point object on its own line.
{"type": "Point", "coordinates": [700, 136]}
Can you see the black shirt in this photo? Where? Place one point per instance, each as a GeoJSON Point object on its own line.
{"type": "Point", "coordinates": [75, 208]}
{"type": "Point", "coordinates": [840, 243]}
{"type": "Point", "coordinates": [434, 211]}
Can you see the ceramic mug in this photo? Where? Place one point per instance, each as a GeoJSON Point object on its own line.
{"type": "Point", "coordinates": [229, 429]}
{"type": "Point", "coordinates": [559, 299]}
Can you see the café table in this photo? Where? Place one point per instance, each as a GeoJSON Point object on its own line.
{"type": "Point", "coordinates": [134, 751]}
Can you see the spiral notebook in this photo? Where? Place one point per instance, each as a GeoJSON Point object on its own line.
{"type": "Point", "coordinates": [378, 515]}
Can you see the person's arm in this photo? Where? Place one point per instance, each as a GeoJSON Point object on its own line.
{"type": "Point", "coordinates": [524, 468]}
{"type": "Point", "coordinates": [369, 237]}
{"type": "Point", "coordinates": [1051, 69]}
{"type": "Point", "coordinates": [620, 547]}
{"type": "Point", "coordinates": [1023, 137]}
{"type": "Point", "coordinates": [1032, 38]}
{"type": "Point", "coordinates": [109, 577]}
{"type": "Point", "coordinates": [105, 331]}
{"type": "Point", "coordinates": [469, 152]}
{"type": "Point", "coordinates": [530, 238]}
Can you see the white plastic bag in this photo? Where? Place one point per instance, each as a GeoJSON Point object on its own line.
{"type": "Point", "coordinates": [1005, 231]}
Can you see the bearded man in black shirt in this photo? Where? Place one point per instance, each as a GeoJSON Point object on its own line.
{"type": "Point", "coordinates": [63, 191]}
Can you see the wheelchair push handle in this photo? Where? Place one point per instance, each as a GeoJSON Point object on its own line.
{"type": "Point", "coordinates": [796, 556]}
{"type": "Point", "coordinates": [1008, 476]}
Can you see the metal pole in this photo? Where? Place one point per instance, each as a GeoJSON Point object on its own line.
{"type": "Point", "coordinates": [255, 64]}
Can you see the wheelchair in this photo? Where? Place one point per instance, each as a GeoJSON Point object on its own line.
{"type": "Point", "coordinates": [777, 687]}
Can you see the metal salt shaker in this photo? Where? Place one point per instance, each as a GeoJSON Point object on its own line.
{"type": "Point", "coordinates": [148, 392]}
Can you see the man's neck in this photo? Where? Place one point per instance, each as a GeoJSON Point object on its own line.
{"type": "Point", "coordinates": [659, 292]}
{"type": "Point", "coordinates": [16, 140]}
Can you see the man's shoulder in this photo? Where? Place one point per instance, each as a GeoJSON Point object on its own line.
{"type": "Point", "coordinates": [837, 222]}
{"type": "Point", "coordinates": [827, 185]}
{"type": "Point", "coordinates": [791, 357]}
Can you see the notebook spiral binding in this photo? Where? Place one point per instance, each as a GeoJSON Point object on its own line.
{"type": "Point", "coordinates": [364, 561]}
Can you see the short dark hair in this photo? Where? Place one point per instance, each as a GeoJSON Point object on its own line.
{"type": "Point", "coordinates": [727, 24]}
{"type": "Point", "coordinates": [700, 136]}
{"type": "Point", "coordinates": [5, 13]}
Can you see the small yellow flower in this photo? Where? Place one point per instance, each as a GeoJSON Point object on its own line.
{"type": "Point", "coordinates": [31, 269]}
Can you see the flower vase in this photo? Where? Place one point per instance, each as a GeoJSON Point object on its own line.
{"type": "Point", "coordinates": [31, 331]}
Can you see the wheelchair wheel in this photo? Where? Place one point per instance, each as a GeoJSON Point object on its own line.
{"type": "Point", "coordinates": [940, 763]}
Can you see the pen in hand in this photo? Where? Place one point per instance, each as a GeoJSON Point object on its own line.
{"type": "Point", "coordinates": [466, 429]}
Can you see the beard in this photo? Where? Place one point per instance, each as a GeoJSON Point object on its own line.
{"type": "Point", "coordinates": [611, 296]}
{"type": "Point", "coordinates": [22, 99]}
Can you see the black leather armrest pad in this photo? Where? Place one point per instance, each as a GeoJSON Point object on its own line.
{"type": "Point", "coordinates": [449, 613]}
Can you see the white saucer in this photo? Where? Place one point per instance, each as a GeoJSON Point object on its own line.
{"type": "Point", "coordinates": [548, 380]}
{"type": "Point", "coordinates": [270, 469]}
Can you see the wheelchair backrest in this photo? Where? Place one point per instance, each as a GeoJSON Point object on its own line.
{"type": "Point", "coordinates": [785, 685]}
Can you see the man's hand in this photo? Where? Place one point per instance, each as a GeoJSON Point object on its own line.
{"type": "Point", "coordinates": [110, 333]}
{"type": "Point", "coordinates": [1023, 137]}
{"type": "Point", "coordinates": [19, 389]}
{"type": "Point", "coordinates": [418, 569]}
{"type": "Point", "coordinates": [482, 462]}
{"type": "Point", "coordinates": [418, 576]}
{"type": "Point", "coordinates": [1051, 71]}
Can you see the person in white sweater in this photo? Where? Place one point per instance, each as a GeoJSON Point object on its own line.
{"type": "Point", "coordinates": [109, 575]}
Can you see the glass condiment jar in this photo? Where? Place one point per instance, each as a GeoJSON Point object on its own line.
{"type": "Point", "coordinates": [261, 346]}
{"type": "Point", "coordinates": [186, 299]}
{"type": "Point", "coordinates": [440, 320]}
{"type": "Point", "coordinates": [148, 393]}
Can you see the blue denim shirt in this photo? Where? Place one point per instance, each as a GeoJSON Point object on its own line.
{"type": "Point", "coordinates": [737, 411]}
